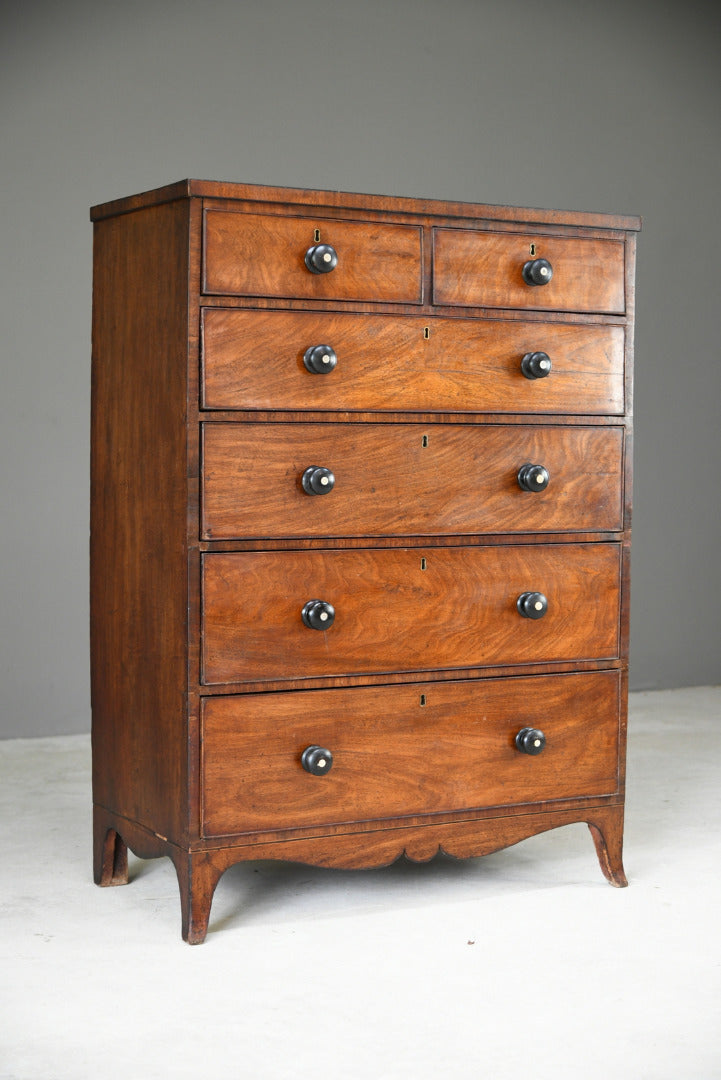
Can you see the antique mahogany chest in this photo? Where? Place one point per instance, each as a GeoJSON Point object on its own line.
{"type": "Point", "coordinates": [361, 485]}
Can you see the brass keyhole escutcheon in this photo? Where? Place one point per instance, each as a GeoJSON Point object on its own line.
{"type": "Point", "coordinates": [316, 236]}
{"type": "Point", "coordinates": [424, 441]}
{"type": "Point", "coordinates": [532, 249]}
{"type": "Point", "coordinates": [426, 332]}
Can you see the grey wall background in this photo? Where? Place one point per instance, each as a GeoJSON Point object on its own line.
{"type": "Point", "coordinates": [562, 104]}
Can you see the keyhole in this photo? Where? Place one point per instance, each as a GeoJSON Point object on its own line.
{"type": "Point", "coordinates": [426, 332]}
{"type": "Point", "coordinates": [424, 441]}
{"type": "Point", "coordinates": [423, 699]}
{"type": "Point", "coordinates": [424, 564]}
{"type": "Point", "coordinates": [532, 249]}
{"type": "Point", "coordinates": [316, 236]}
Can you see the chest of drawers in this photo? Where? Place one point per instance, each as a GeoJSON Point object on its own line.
{"type": "Point", "coordinates": [360, 529]}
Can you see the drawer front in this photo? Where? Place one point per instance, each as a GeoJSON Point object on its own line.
{"type": "Point", "coordinates": [263, 255]}
{"type": "Point", "coordinates": [407, 479]}
{"type": "Point", "coordinates": [484, 269]}
{"type": "Point", "coordinates": [254, 360]}
{"type": "Point", "coordinates": [396, 757]}
{"type": "Point", "coordinates": [405, 609]}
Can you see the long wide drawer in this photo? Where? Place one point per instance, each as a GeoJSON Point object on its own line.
{"type": "Point", "coordinates": [401, 609]}
{"type": "Point", "coordinates": [399, 751]}
{"type": "Point", "coordinates": [476, 268]}
{"type": "Point", "coordinates": [407, 479]}
{"type": "Point", "coordinates": [255, 360]}
{"type": "Point", "coordinates": [264, 255]}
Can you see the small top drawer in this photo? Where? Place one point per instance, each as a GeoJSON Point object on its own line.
{"type": "Point", "coordinates": [474, 268]}
{"type": "Point", "coordinates": [265, 255]}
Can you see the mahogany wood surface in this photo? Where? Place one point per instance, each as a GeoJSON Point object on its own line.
{"type": "Point", "coordinates": [405, 480]}
{"type": "Point", "coordinates": [405, 750]}
{"type": "Point", "coordinates": [263, 255]}
{"type": "Point", "coordinates": [254, 360]}
{"type": "Point", "coordinates": [267, 196]}
{"type": "Point", "coordinates": [460, 611]}
{"type": "Point", "coordinates": [483, 269]}
{"type": "Point", "coordinates": [206, 684]}
{"type": "Point", "coordinates": [138, 565]}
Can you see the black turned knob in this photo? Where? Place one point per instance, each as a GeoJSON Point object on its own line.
{"type": "Point", "coordinates": [320, 359]}
{"type": "Point", "coordinates": [537, 272]}
{"type": "Point", "coordinates": [318, 615]}
{"type": "Point", "coordinates": [532, 605]}
{"type": "Point", "coordinates": [318, 761]}
{"type": "Point", "coordinates": [317, 480]}
{"type": "Point", "coordinates": [530, 740]}
{"type": "Point", "coordinates": [533, 477]}
{"type": "Point", "coordinates": [321, 259]}
{"type": "Point", "coordinates": [536, 365]}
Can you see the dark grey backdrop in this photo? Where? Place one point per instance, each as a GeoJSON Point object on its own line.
{"type": "Point", "coordinates": [561, 104]}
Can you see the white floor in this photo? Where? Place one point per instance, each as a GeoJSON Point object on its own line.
{"type": "Point", "coordinates": [522, 964]}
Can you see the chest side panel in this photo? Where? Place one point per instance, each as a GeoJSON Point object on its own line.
{"type": "Point", "coordinates": [138, 561]}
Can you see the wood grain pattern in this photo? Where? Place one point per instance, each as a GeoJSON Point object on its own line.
{"type": "Point", "coordinates": [138, 517]}
{"type": "Point", "coordinates": [263, 255]}
{"type": "Point", "coordinates": [460, 839]}
{"type": "Point", "coordinates": [206, 684]}
{"type": "Point", "coordinates": [394, 757]}
{"type": "Point", "coordinates": [460, 611]}
{"type": "Point", "coordinates": [483, 269]}
{"type": "Point", "coordinates": [402, 479]}
{"type": "Point", "coordinates": [216, 192]}
{"type": "Point", "coordinates": [254, 360]}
